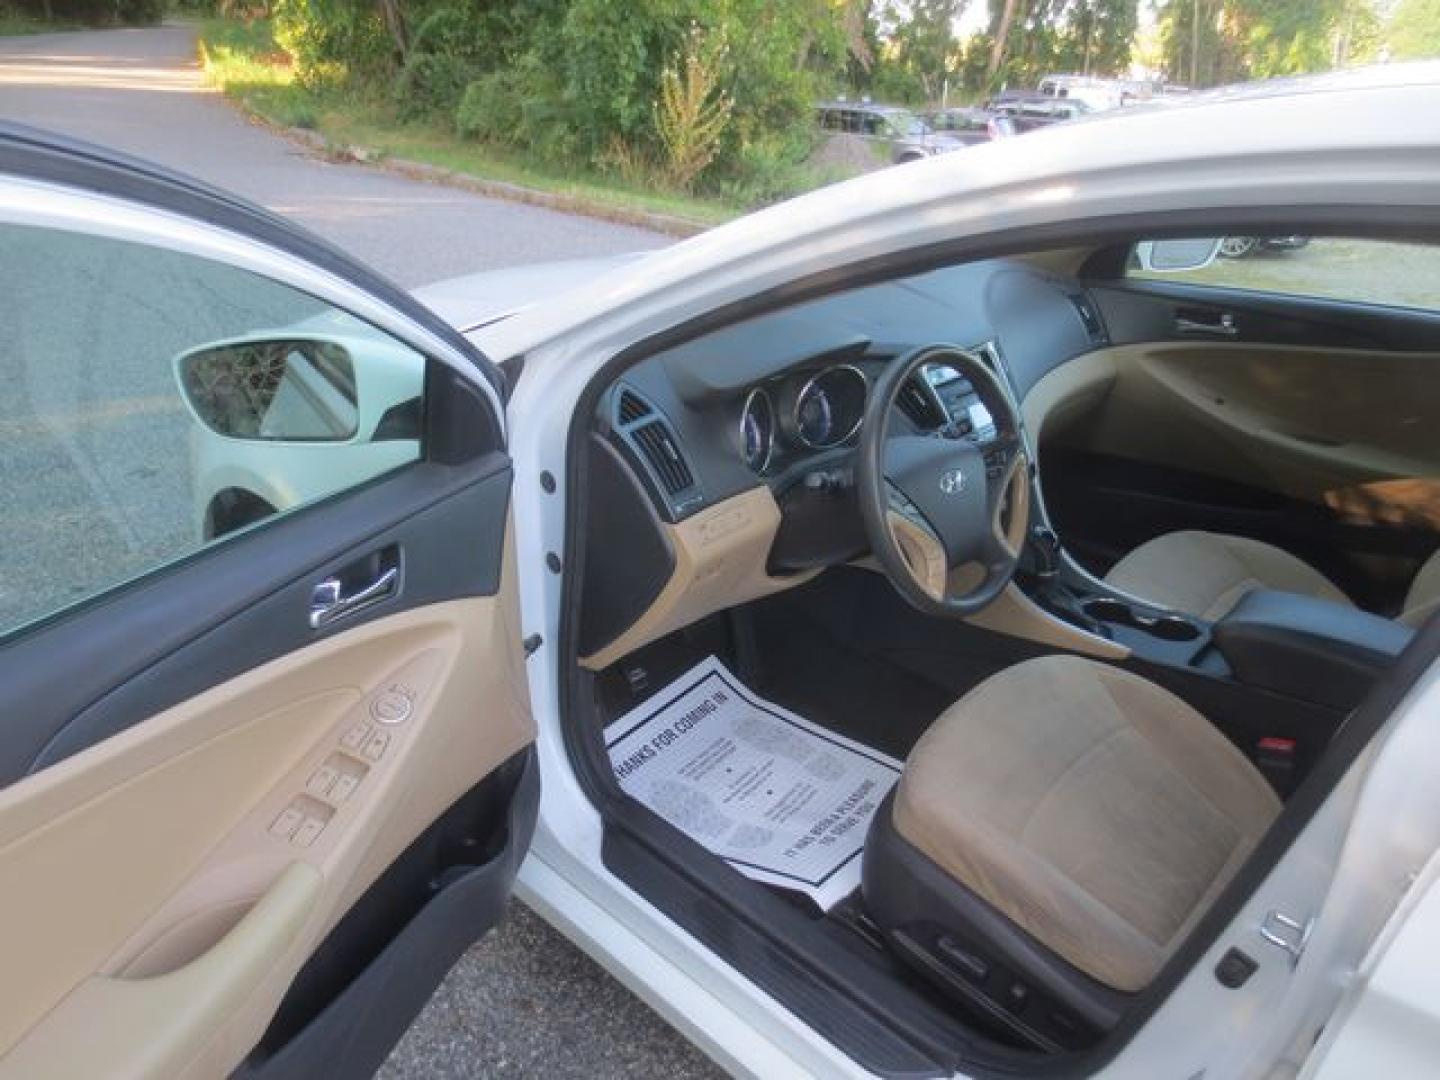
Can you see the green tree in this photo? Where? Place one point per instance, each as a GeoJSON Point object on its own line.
{"type": "Point", "coordinates": [1207, 42]}
{"type": "Point", "coordinates": [1289, 37]}
{"type": "Point", "coordinates": [920, 51]}
{"type": "Point", "coordinates": [1413, 31]}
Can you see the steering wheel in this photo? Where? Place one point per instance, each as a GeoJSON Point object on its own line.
{"type": "Point", "coordinates": [946, 516]}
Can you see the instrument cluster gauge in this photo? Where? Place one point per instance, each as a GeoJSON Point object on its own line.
{"type": "Point", "coordinates": [757, 430]}
{"type": "Point", "coordinates": [830, 406]}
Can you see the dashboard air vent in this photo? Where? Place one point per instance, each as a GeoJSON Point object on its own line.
{"type": "Point", "coordinates": [631, 407]}
{"type": "Point", "coordinates": [1089, 318]}
{"type": "Point", "coordinates": [661, 451]}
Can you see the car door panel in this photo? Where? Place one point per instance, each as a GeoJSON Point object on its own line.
{"type": "Point", "coordinates": [124, 861]}
{"type": "Point", "coordinates": [1303, 422]}
{"type": "Point", "coordinates": [156, 642]}
{"type": "Point", "coordinates": [233, 833]}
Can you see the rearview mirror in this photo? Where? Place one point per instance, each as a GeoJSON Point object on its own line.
{"type": "Point", "coordinates": [284, 389]}
{"type": "Point", "coordinates": [1176, 256]}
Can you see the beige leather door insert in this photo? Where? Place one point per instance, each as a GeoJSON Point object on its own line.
{"type": "Point", "coordinates": [162, 888]}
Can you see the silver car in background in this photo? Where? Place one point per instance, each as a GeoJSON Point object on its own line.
{"type": "Point", "coordinates": [900, 133]}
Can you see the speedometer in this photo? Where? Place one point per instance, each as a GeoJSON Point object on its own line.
{"type": "Point", "coordinates": [757, 430]}
{"type": "Point", "coordinates": [829, 407]}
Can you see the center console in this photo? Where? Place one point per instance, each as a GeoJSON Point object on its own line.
{"type": "Point", "coordinates": [1306, 648]}
{"type": "Point", "coordinates": [1278, 673]}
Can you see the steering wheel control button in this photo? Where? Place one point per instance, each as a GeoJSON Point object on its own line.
{"type": "Point", "coordinates": [286, 822]}
{"type": "Point", "coordinates": [391, 706]}
{"type": "Point", "coordinates": [377, 745]}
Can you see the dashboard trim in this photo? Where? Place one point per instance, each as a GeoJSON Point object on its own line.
{"type": "Point", "coordinates": [720, 562]}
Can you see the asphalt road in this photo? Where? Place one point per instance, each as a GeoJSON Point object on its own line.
{"type": "Point", "coordinates": [524, 1001]}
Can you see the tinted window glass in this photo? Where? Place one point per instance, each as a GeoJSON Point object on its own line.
{"type": "Point", "coordinates": [1366, 271]}
{"type": "Point", "coordinates": [158, 402]}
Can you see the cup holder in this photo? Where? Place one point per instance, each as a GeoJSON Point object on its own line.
{"type": "Point", "coordinates": [1166, 627]}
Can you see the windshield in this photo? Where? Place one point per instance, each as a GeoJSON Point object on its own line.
{"type": "Point", "coordinates": [907, 124]}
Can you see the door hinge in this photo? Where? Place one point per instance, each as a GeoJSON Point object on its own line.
{"type": "Point", "coordinates": [531, 643]}
{"type": "Point", "coordinates": [1288, 935]}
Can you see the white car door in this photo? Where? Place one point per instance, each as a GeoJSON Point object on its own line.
{"type": "Point", "coordinates": [259, 788]}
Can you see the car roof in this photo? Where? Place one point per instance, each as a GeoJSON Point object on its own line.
{"type": "Point", "coordinates": [1373, 77]}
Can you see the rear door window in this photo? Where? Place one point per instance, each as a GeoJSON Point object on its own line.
{"type": "Point", "coordinates": [1362, 271]}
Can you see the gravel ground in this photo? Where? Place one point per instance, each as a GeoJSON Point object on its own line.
{"type": "Point", "coordinates": [524, 1001]}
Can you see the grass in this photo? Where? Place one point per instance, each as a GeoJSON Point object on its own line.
{"type": "Point", "coordinates": [242, 60]}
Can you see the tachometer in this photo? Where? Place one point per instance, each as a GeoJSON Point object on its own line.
{"type": "Point", "coordinates": [829, 407]}
{"type": "Point", "coordinates": [757, 430]}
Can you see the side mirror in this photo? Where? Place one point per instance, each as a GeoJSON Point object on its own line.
{"type": "Point", "coordinates": [282, 389]}
{"type": "Point", "coordinates": [1176, 256]}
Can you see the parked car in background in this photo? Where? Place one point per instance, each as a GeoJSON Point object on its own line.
{"type": "Point", "coordinates": [1097, 94]}
{"type": "Point", "coordinates": [1028, 110]}
{"type": "Point", "coordinates": [972, 125]}
{"type": "Point", "coordinates": [901, 133]}
{"type": "Point", "coordinates": [1238, 247]}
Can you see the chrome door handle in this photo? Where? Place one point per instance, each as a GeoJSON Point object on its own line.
{"type": "Point", "coordinates": [1223, 326]}
{"type": "Point", "coordinates": [329, 603]}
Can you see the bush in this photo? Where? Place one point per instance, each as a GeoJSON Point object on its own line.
{"type": "Point", "coordinates": [451, 47]}
{"type": "Point", "coordinates": [334, 41]}
{"type": "Point", "coordinates": [582, 82]}
{"type": "Point", "coordinates": [432, 84]}
{"type": "Point", "coordinates": [491, 109]}
{"type": "Point", "coordinates": [769, 169]}
{"type": "Point", "coordinates": [692, 114]}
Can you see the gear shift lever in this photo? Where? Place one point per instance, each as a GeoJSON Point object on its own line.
{"type": "Point", "coordinates": [1051, 592]}
{"type": "Point", "coordinates": [1045, 549]}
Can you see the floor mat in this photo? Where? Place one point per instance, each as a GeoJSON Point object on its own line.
{"type": "Point", "coordinates": [782, 800]}
{"type": "Point", "coordinates": [862, 695]}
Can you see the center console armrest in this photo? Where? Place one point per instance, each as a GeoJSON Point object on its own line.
{"type": "Point", "coordinates": [1307, 648]}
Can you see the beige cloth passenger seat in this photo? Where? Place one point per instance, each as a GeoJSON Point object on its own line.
{"type": "Point", "coordinates": [1205, 574]}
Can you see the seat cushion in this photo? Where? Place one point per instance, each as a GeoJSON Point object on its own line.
{"type": "Point", "coordinates": [1423, 600]}
{"type": "Point", "coordinates": [1205, 574]}
{"type": "Point", "coordinates": [1095, 810]}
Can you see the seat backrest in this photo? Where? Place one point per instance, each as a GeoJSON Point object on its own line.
{"type": "Point", "coordinates": [1423, 599]}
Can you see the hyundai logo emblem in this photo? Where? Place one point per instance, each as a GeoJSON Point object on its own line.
{"type": "Point", "coordinates": [952, 482]}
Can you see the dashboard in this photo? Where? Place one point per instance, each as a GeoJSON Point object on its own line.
{"type": "Point", "coordinates": [779, 399]}
{"type": "Point", "coordinates": [724, 466]}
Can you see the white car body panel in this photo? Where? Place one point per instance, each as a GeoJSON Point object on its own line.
{"type": "Point", "coordinates": [472, 300]}
{"type": "Point", "coordinates": [287, 473]}
{"type": "Point", "coordinates": [1352, 148]}
{"type": "Point", "coordinates": [284, 474]}
{"type": "Point", "coordinates": [1389, 1023]}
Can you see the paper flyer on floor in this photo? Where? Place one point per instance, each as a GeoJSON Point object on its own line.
{"type": "Point", "coordinates": [783, 800]}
